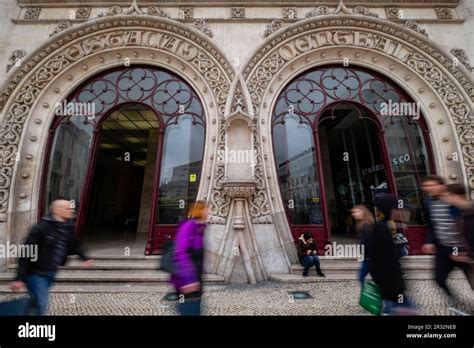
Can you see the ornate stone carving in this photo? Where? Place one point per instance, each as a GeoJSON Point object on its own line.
{"type": "Point", "coordinates": [239, 189]}
{"type": "Point", "coordinates": [283, 49]}
{"type": "Point", "coordinates": [201, 25]}
{"type": "Point", "coordinates": [289, 13]}
{"type": "Point", "coordinates": [238, 12]}
{"type": "Point", "coordinates": [72, 48]}
{"type": "Point", "coordinates": [413, 25]}
{"type": "Point", "coordinates": [272, 27]}
{"type": "Point", "coordinates": [460, 54]}
{"type": "Point", "coordinates": [393, 13]}
{"type": "Point", "coordinates": [318, 11]}
{"type": "Point", "coordinates": [258, 201]}
{"type": "Point", "coordinates": [186, 13]}
{"type": "Point", "coordinates": [83, 13]}
{"type": "Point", "coordinates": [32, 13]}
{"type": "Point", "coordinates": [238, 102]}
{"type": "Point", "coordinates": [156, 11]}
{"type": "Point", "coordinates": [114, 10]}
{"type": "Point", "coordinates": [61, 26]}
{"type": "Point", "coordinates": [362, 10]}
{"type": "Point", "coordinates": [341, 8]}
{"type": "Point", "coordinates": [15, 58]}
{"type": "Point", "coordinates": [444, 13]}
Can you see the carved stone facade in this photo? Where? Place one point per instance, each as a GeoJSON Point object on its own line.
{"type": "Point", "coordinates": [238, 69]}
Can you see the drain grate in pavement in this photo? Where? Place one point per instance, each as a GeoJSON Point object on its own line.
{"type": "Point", "coordinates": [300, 295]}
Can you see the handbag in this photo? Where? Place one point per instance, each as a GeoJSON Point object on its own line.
{"type": "Point", "coordinates": [371, 298]}
{"type": "Point", "coordinates": [20, 306]}
{"type": "Point", "coordinates": [167, 263]}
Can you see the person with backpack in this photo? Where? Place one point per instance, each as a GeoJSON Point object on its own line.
{"type": "Point", "coordinates": [188, 259]}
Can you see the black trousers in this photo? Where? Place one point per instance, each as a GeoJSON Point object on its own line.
{"type": "Point", "coordinates": [444, 265]}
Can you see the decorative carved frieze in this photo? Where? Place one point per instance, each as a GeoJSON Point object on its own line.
{"type": "Point", "coordinates": [413, 25]}
{"type": "Point", "coordinates": [393, 13]}
{"type": "Point", "coordinates": [156, 11]}
{"type": "Point", "coordinates": [83, 13]}
{"type": "Point", "coordinates": [63, 25]}
{"type": "Point", "coordinates": [362, 10]}
{"type": "Point", "coordinates": [444, 13]}
{"type": "Point", "coordinates": [62, 53]}
{"type": "Point", "coordinates": [114, 10]}
{"type": "Point", "coordinates": [186, 13]}
{"type": "Point", "coordinates": [32, 13]}
{"type": "Point", "coordinates": [15, 59]}
{"type": "Point", "coordinates": [289, 13]}
{"type": "Point", "coordinates": [341, 8]}
{"type": "Point", "coordinates": [238, 12]}
{"type": "Point", "coordinates": [461, 55]}
{"type": "Point", "coordinates": [318, 11]}
{"type": "Point", "coordinates": [201, 25]}
{"type": "Point", "coordinates": [272, 27]}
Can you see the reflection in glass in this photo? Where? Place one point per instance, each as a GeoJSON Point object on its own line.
{"type": "Point", "coordinates": [180, 169]}
{"type": "Point", "coordinates": [296, 169]}
{"type": "Point", "coordinates": [68, 160]}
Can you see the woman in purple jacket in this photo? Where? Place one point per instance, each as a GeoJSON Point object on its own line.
{"type": "Point", "coordinates": [189, 260]}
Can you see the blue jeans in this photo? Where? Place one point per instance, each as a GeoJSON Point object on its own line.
{"type": "Point", "coordinates": [191, 304]}
{"type": "Point", "coordinates": [364, 270]}
{"type": "Point", "coordinates": [309, 261]}
{"type": "Point", "coordinates": [391, 307]}
{"type": "Point", "coordinates": [38, 287]}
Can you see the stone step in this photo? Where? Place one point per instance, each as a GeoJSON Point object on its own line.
{"type": "Point", "coordinates": [86, 276]}
{"type": "Point", "coordinates": [351, 276]}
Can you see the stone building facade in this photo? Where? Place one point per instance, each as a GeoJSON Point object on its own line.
{"type": "Point", "coordinates": [253, 79]}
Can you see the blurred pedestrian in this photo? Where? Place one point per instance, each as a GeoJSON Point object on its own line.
{"type": "Point", "coordinates": [456, 196]}
{"type": "Point", "coordinates": [55, 239]}
{"type": "Point", "coordinates": [384, 266]}
{"type": "Point", "coordinates": [444, 238]}
{"type": "Point", "coordinates": [189, 260]}
{"type": "Point", "coordinates": [308, 254]}
{"type": "Point", "coordinates": [364, 225]}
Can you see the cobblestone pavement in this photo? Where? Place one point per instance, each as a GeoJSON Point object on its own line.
{"type": "Point", "coordinates": [328, 298]}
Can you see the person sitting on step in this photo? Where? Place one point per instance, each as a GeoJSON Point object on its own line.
{"type": "Point", "coordinates": [307, 254]}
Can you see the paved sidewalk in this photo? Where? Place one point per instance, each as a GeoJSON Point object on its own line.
{"type": "Point", "coordinates": [329, 298]}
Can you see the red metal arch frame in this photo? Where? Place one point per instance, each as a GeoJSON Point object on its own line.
{"type": "Point", "coordinates": [149, 88]}
{"type": "Point", "coordinates": [362, 96]}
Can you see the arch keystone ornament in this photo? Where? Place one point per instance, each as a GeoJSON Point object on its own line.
{"type": "Point", "coordinates": [100, 44]}
{"type": "Point", "coordinates": [400, 50]}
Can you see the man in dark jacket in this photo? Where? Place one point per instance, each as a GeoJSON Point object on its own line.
{"type": "Point", "coordinates": [55, 239]}
{"type": "Point", "coordinates": [307, 254]}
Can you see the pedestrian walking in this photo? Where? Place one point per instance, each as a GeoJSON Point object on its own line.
{"type": "Point", "coordinates": [55, 239]}
{"type": "Point", "coordinates": [364, 225]}
{"type": "Point", "coordinates": [189, 260]}
{"type": "Point", "coordinates": [444, 238]}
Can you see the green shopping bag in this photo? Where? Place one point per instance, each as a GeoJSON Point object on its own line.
{"type": "Point", "coordinates": [371, 298]}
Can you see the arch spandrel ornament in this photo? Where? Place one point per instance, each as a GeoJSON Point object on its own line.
{"type": "Point", "coordinates": [282, 54]}
{"type": "Point", "coordinates": [19, 97]}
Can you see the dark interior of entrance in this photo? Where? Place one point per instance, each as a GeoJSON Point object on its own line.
{"type": "Point", "coordinates": [352, 163]}
{"type": "Point", "coordinates": [120, 196]}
